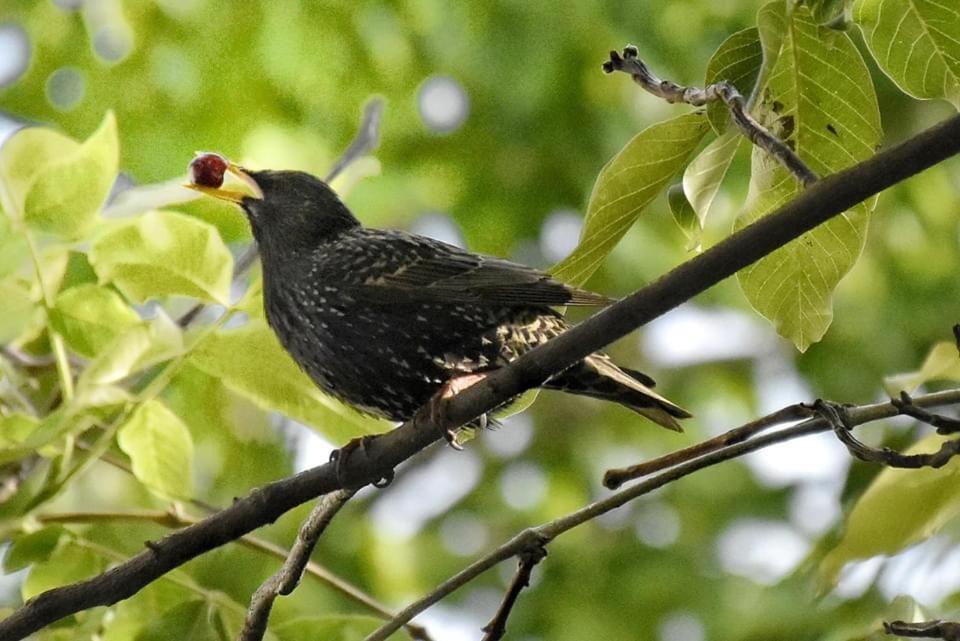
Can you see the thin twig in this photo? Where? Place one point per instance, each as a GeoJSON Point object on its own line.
{"type": "Point", "coordinates": [723, 92]}
{"type": "Point", "coordinates": [839, 420]}
{"type": "Point", "coordinates": [815, 205]}
{"type": "Point", "coordinates": [366, 140]}
{"type": "Point", "coordinates": [946, 630]}
{"type": "Point", "coordinates": [614, 478]}
{"type": "Point", "coordinates": [528, 559]}
{"type": "Point", "coordinates": [546, 532]}
{"type": "Point", "coordinates": [944, 424]}
{"type": "Point", "coordinates": [286, 579]}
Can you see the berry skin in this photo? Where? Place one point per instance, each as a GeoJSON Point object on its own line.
{"type": "Point", "coordinates": [207, 170]}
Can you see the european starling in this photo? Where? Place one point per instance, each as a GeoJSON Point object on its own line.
{"type": "Point", "coordinates": [385, 320]}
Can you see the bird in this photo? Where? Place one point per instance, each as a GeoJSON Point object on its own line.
{"type": "Point", "coordinates": [387, 321]}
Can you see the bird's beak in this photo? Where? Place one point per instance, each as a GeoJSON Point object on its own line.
{"type": "Point", "coordinates": [232, 195]}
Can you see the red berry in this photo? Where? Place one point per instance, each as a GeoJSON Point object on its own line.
{"type": "Point", "coordinates": [207, 170]}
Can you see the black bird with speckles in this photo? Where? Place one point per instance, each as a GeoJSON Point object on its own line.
{"type": "Point", "coordinates": [384, 320]}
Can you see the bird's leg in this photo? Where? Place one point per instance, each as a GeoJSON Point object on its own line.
{"type": "Point", "coordinates": [341, 455]}
{"type": "Point", "coordinates": [438, 404]}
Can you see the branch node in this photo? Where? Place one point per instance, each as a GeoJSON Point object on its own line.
{"type": "Point", "coordinates": [837, 417]}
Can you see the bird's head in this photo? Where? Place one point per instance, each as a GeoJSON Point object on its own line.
{"type": "Point", "coordinates": [288, 210]}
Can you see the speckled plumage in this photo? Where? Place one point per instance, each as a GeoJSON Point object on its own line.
{"type": "Point", "coordinates": [382, 319]}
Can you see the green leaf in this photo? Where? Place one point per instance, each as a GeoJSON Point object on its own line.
{"type": "Point", "coordinates": [15, 428]}
{"type": "Point", "coordinates": [89, 317]}
{"type": "Point", "coordinates": [819, 98]}
{"type": "Point", "coordinates": [188, 621]}
{"type": "Point", "coordinates": [942, 363]}
{"type": "Point", "coordinates": [705, 173]}
{"type": "Point", "coordinates": [330, 628]}
{"type": "Point", "coordinates": [684, 215]}
{"type": "Point", "coordinates": [164, 253]}
{"type": "Point", "coordinates": [14, 251]}
{"type": "Point", "coordinates": [900, 508]}
{"type": "Point", "coordinates": [160, 449]}
{"type": "Point", "coordinates": [737, 60]}
{"type": "Point", "coordinates": [250, 361]}
{"type": "Point", "coordinates": [19, 309]}
{"type": "Point", "coordinates": [916, 43]}
{"type": "Point", "coordinates": [68, 563]}
{"type": "Point", "coordinates": [145, 344]}
{"type": "Point", "coordinates": [22, 158]}
{"type": "Point", "coordinates": [64, 197]}
{"type": "Point", "coordinates": [627, 184]}
{"type": "Point", "coordinates": [35, 547]}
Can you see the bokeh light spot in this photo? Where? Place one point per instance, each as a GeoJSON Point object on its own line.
{"type": "Point", "coordinates": [14, 53]}
{"type": "Point", "coordinates": [443, 104]}
{"type": "Point", "coordinates": [65, 88]}
{"type": "Point", "coordinates": [560, 234]}
{"type": "Point", "coordinates": [681, 626]}
{"type": "Point", "coordinates": [111, 43]}
{"type": "Point", "coordinates": [523, 485]}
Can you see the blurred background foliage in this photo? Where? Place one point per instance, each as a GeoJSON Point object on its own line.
{"type": "Point", "coordinates": [497, 123]}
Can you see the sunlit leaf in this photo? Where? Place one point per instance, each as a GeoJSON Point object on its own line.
{"type": "Point", "coordinates": [817, 96]}
{"type": "Point", "coordinates": [942, 363]}
{"type": "Point", "coordinates": [737, 60]}
{"type": "Point", "coordinates": [64, 197]}
{"type": "Point", "coordinates": [89, 317]}
{"type": "Point", "coordinates": [35, 547]}
{"type": "Point", "coordinates": [13, 248]}
{"type": "Point", "coordinates": [705, 173]}
{"type": "Point", "coordinates": [19, 309]}
{"type": "Point", "coordinates": [626, 185]}
{"type": "Point", "coordinates": [160, 449]}
{"type": "Point", "coordinates": [916, 43]}
{"type": "Point", "coordinates": [330, 628]}
{"type": "Point", "coordinates": [22, 158]}
{"type": "Point", "coordinates": [250, 361]}
{"type": "Point", "coordinates": [164, 253]}
{"type": "Point", "coordinates": [142, 345]}
{"type": "Point", "coordinates": [900, 508]}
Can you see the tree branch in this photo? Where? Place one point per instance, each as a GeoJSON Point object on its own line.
{"type": "Point", "coordinates": [286, 579]}
{"type": "Point", "coordinates": [546, 532]}
{"type": "Point", "coordinates": [721, 91]}
{"type": "Point", "coordinates": [178, 518]}
{"type": "Point", "coordinates": [820, 202]}
{"type": "Point", "coordinates": [529, 559]}
{"type": "Point", "coordinates": [838, 419]}
{"type": "Point", "coordinates": [946, 630]}
{"type": "Point", "coordinates": [614, 478]}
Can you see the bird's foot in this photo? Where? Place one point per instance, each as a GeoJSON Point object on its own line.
{"type": "Point", "coordinates": [438, 404]}
{"type": "Point", "coordinates": [340, 456]}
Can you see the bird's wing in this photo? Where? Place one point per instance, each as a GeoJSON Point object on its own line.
{"type": "Point", "coordinates": [435, 272]}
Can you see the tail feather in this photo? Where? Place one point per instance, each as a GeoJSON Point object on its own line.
{"type": "Point", "coordinates": [597, 376]}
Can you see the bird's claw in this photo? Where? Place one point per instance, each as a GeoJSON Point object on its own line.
{"type": "Point", "coordinates": [340, 457]}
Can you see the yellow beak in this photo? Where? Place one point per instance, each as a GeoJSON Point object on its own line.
{"type": "Point", "coordinates": [231, 195]}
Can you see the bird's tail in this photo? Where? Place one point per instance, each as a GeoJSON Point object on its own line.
{"type": "Point", "coordinates": [596, 376]}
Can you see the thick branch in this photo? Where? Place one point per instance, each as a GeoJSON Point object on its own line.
{"type": "Point", "coordinates": [820, 202]}
{"type": "Point", "coordinates": [543, 534]}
